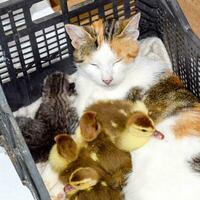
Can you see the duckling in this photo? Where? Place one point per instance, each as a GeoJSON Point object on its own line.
{"type": "Point", "coordinates": [127, 124]}
{"type": "Point", "coordinates": [98, 150]}
{"type": "Point", "coordinates": [83, 175]}
{"type": "Point", "coordinates": [85, 183]}
{"type": "Point", "coordinates": [58, 157]}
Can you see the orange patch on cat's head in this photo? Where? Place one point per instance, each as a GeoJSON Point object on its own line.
{"type": "Point", "coordinates": [125, 48]}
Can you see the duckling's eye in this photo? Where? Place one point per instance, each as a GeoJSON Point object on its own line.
{"type": "Point", "coordinates": [143, 130]}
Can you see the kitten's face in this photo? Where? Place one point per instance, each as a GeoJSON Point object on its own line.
{"type": "Point", "coordinates": [103, 51]}
{"type": "Point", "coordinates": [57, 84]}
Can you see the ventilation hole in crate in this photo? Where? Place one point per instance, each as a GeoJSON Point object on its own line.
{"type": "Point", "coordinates": [31, 70]}
{"type": "Point", "coordinates": [4, 76]}
{"type": "Point", "coordinates": [74, 20]}
{"type": "Point", "coordinates": [108, 11]}
{"type": "Point", "coordinates": [161, 20]}
{"type": "Point", "coordinates": [170, 36]}
{"type": "Point", "coordinates": [192, 71]}
{"type": "Point", "coordinates": [27, 51]}
{"type": "Point", "coordinates": [5, 20]}
{"type": "Point", "coordinates": [94, 15]}
{"type": "Point", "coordinates": [14, 54]}
{"type": "Point", "coordinates": [19, 19]}
{"type": "Point", "coordinates": [85, 18]}
{"type": "Point", "coordinates": [198, 68]}
{"type": "Point", "coordinates": [132, 7]}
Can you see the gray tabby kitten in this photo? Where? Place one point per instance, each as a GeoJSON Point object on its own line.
{"type": "Point", "coordinates": [56, 109]}
{"type": "Point", "coordinates": [55, 115]}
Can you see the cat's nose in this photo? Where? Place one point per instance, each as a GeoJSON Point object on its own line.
{"type": "Point", "coordinates": [107, 82]}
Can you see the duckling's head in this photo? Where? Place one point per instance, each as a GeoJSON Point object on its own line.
{"type": "Point", "coordinates": [138, 130]}
{"type": "Point", "coordinates": [83, 178]}
{"type": "Point", "coordinates": [64, 151]}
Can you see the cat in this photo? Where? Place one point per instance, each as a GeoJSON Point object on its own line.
{"type": "Point", "coordinates": [55, 115]}
{"type": "Point", "coordinates": [57, 110]}
{"type": "Point", "coordinates": [107, 60]}
{"type": "Point", "coordinates": [107, 72]}
{"type": "Point", "coordinates": [173, 165]}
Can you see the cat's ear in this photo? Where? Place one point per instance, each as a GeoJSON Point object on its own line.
{"type": "Point", "coordinates": [89, 126]}
{"type": "Point", "coordinates": [77, 35]}
{"type": "Point", "coordinates": [131, 29]}
{"type": "Point", "coordinates": [84, 178]}
{"type": "Point", "coordinates": [66, 147]}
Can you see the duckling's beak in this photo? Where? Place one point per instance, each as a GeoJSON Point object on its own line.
{"type": "Point", "coordinates": [157, 134]}
{"type": "Point", "coordinates": [68, 188]}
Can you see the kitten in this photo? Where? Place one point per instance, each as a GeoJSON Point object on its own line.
{"type": "Point", "coordinates": [108, 64]}
{"type": "Point", "coordinates": [37, 137]}
{"type": "Point", "coordinates": [56, 109]}
{"type": "Point", "coordinates": [55, 114]}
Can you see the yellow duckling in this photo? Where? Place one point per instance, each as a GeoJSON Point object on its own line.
{"type": "Point", "coordinates": [127, 124]}
{"type": "Point", "coordinates": [60, 157]}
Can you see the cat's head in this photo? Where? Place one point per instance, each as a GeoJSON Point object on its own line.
{"type": "Point", "coordinates": [105, 49]}
{"type": "Point", "coordinates": [57, 84]}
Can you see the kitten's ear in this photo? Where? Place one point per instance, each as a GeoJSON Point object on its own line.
{"type": "Point", "coordinates": [66, 147]}
{"type": "Point", "coordinates": [89, 126]}
{"type": "Point", "coordinates": [131, 29]}
{"type": "Point", "coordinates": [84, 178]}
{"type": "Point", "coordinates": [77, 35]}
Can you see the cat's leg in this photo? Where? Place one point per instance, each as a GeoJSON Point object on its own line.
{"type": "Point", "coordinates": [28, 111]}
{"type": "Point", "coordinates": [72, 77]}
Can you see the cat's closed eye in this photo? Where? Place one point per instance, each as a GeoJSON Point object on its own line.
{"type": "Point", "coordinates": [117, 61]}
{"type": "Point", "coordinates": [93, 64]}
{"type": "Point", "coordinates": [96, 65]}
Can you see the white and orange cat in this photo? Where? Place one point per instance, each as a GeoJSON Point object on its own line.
{"type": "Point", "coordinates": [108, 65]}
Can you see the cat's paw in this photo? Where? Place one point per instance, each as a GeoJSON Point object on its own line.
{"type": "Point", "coordinates": [135, 94]}
{"type": "Point", "coordinates": [72, 77]}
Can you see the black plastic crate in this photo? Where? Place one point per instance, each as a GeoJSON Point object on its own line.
{"type": "Point", "coordinates": [166, 18]}
{"type": "Point", "coordinates": [47, 43]}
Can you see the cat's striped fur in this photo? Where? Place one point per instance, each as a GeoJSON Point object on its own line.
{"type": "Point", "coordinates": [57, 110]}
